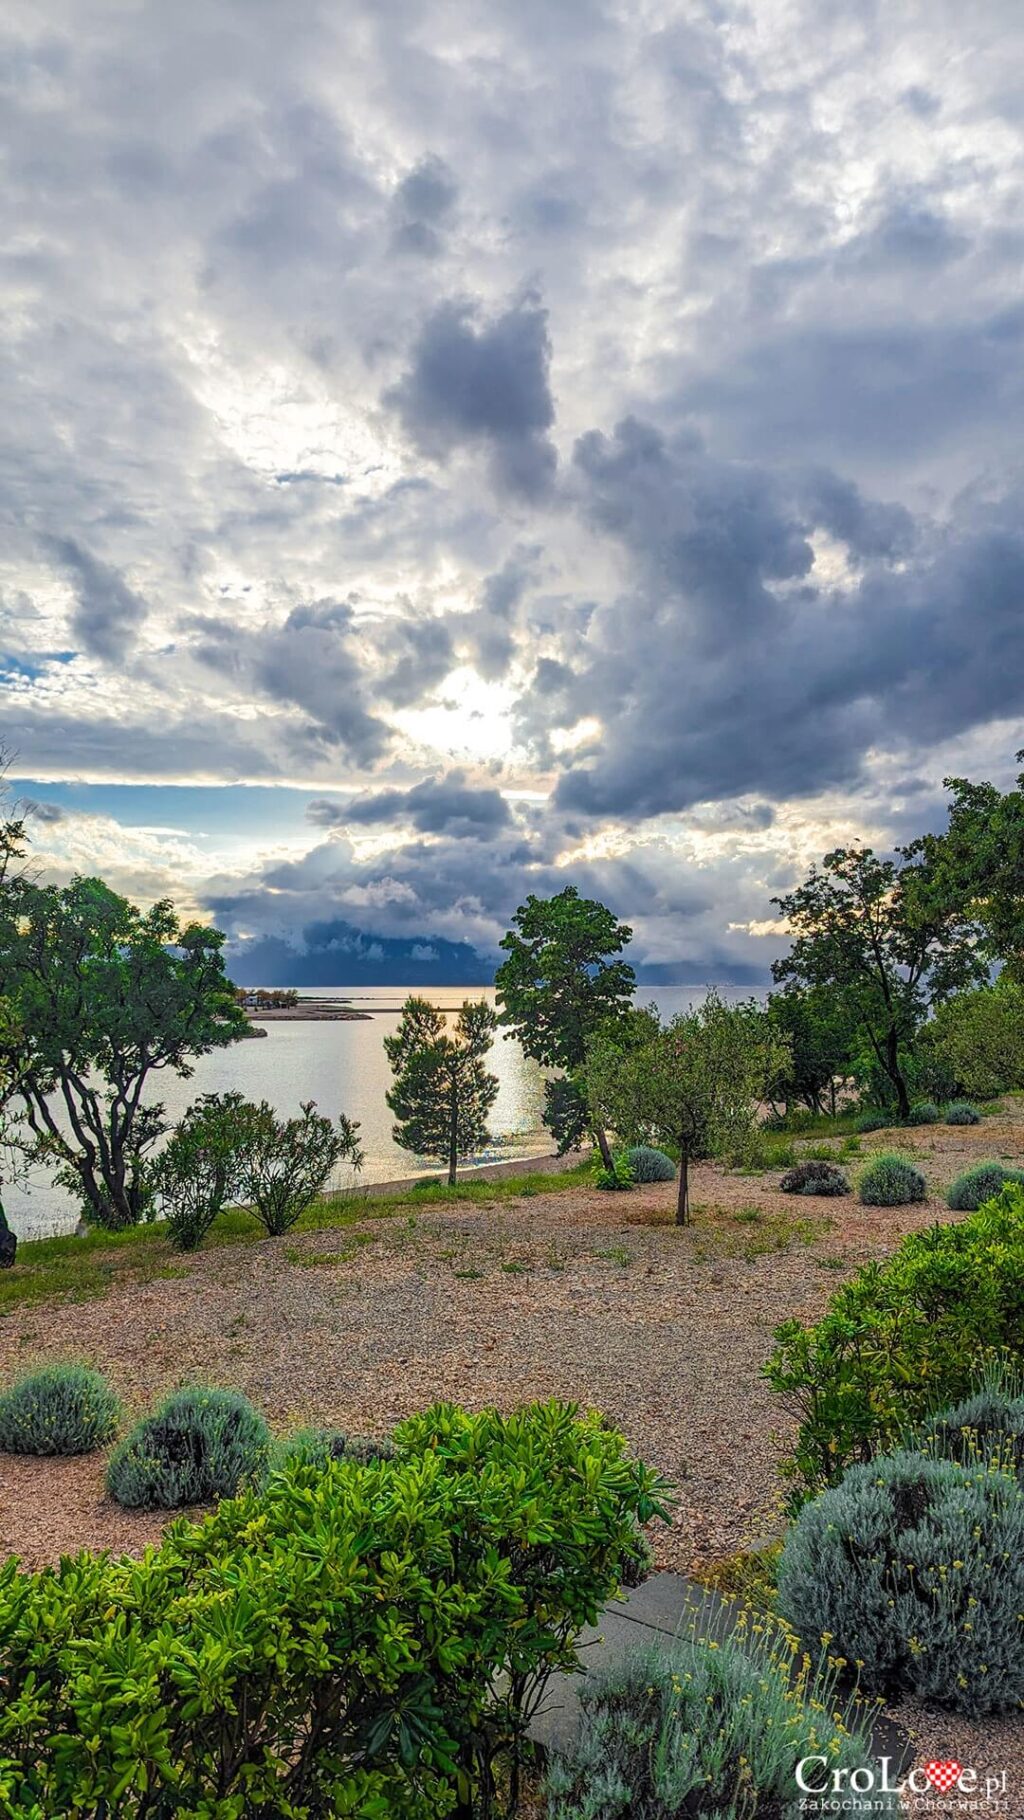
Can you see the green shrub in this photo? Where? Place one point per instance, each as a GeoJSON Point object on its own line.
{"type": "Point", "coordinates": [923, 1112]}
{"type": "Point", "coordinates": [913, 1568]}
{"type": "Point", "coordinates": [397, 1620]}
{"type": "Point", "coordinates": [620, 1175]}
{"type": "Point", "coordinates": [986, 1429]}
{"type": "Point", "coordinates": [200, 1444]}
{"type": "Point", "coordinates": [903, 1338]}
{"type": "Point", "coordinates": [890, 1180]}
{"type": "Point", "coordinates": [649, 1165]}
{"type": "Point", "coordinates": [873, 1121]}
{"type": "Point", "coordinates": [285, 1163]}
{"type": "Point", "coordinates": [961, 1112]}
{"type": "Point", "coordinates": [319, 1446]}
{"type": "Point", "coordinates": [981, 1183]}
{"type": "Point", "coordinates": [62, 1409]}
{"type": "Point", "coordinates": [710, 1729]}
{"type": "Point", "coordinates": [197, 1171]}
{"type": "Point", "coordinates": [814, 1177]}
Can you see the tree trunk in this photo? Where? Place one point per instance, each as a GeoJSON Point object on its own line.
{"type": "Point", "coordinates": [8, 1241]}
{"type": "Point", "coordinates": [683, 1201]}
{"type": "Point", "coordinates": [603, 1146]}
{"type": "Point", "coordinates": [453, 1142]}
{"type": "Point", "coordinates": [895, 1073]}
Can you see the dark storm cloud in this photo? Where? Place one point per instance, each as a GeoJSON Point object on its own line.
{"type": "Point", "coordinates": [108, 614]}
{"type": "Point", "coordinates": [423, 203]}
{"type": "Point", "coordinates": [446, 806]}
{"type": "Point", "coordinates": [483, 384]}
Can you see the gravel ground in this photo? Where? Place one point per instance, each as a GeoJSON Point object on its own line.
{"type": "Point", "coordinates": [595, 1297]}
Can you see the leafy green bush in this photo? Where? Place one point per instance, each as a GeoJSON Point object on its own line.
{"type": "Point", "coordinates": [196, 1173]}
{"type": "Point", "coordinates": [620, 1175]}
{"type": "Point", "coordinates": [961, 1112]}
{"type": "Point", "coordinates": [361, 1640]}
{"type": "Point", "coordinates": [649, 1165]}
{"type": "Point", "coordinates": [903, 1338]}
{"type": "Point", "coordinates": [913, 1568]}
{"type": "Point", "coordinates": [200, 1444]}
{"type": "Point", "coordinates": [987, 1429]}
{"type": "Point", "coordinates": [923, 1112]}
{"type": "Point", "coordinates": [981, 1183]}
{"type": "Point", "coordinates": [285, 1163]}
{"type": "Point", "coordinates": [319, 1446]}
{"type": "Point", "coordinates": [711, 1729]}
{"type": "Point", "coordinates": [62, 1409]}
{"type": "Point", "coordinates": [891, 1180]}
{"type": "Point", "coordinates": [814, 1177]}
{"type": "Point", "coordinates": [872, 1121]}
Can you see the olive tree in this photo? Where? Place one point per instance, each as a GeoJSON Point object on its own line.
{"type": "Point", "coordinates": [693, 1085]}
{"type": "Point", "coordinates": [442, 1092]}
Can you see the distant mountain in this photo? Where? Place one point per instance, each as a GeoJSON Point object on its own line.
{"type": "Point", "coordinates": [336, 953]}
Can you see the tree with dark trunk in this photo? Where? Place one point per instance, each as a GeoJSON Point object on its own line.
{"type": "Point", "coordinates": [442, 1092]}
{"type": "Point", "coordinates": [560, 986]}
{"type": "Point", "coordinates": [885, 943]}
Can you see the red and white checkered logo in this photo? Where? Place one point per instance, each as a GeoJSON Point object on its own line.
{"type": "Point", "coordinates": [942, 1775]}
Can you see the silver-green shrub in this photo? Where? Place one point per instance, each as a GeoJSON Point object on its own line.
{"type": "Point", "coordinates": [62, 1409]}
{"type": "Point", "coordinates": [710, 1729]}
{"type": "Point", "coordinates": [814, 1176]}
{"type": "Point", "coordinates": [199, 1445]}
{"type": "Point", "coordinates": [981, 1183]}
{"type": "Point", "coordinates": [912, 1569]}
{"type": "Point", "coordinates": [319, 1446]}
{"type": "Point", "coordinates": [986, 1429]}
{"type": "Point", "coordinates": [923, 1112]}
{"type": "Point", "coordinates": [649, 1165]}
{"type": "Point", "coordinates": [890, 1180]}
{"type": "Point", "coordinates": [961, 1112]}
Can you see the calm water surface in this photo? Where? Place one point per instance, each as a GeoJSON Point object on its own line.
{"type": "Point", "coordinates": [344, 1069]}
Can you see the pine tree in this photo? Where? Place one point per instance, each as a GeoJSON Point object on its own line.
{"type": "Point", "coordinates": [442, 1092]}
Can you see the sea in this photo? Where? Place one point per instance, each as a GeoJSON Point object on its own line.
{"type": "Point", "coordinates": [343, 1067]}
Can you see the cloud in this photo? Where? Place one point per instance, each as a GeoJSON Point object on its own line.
{"type": "Point", "coordinates": [447, 806]}
{"type": "Point", "coordinates": [483, 386]}
{"type": "Point", "coordinates": [108, 615]}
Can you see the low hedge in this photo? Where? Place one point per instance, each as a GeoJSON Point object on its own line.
{"type": "Point", "coordinates": [902, 1339]}
{"type": "Point", "coordinates": [365, 1639]}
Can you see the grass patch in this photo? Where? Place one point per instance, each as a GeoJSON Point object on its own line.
{"type": "Point", "coordinates": [80, 1267]}
{"type": "Point", "coordinates": [762, 1233]}
{"type": "Point", "coordinates": [748, 1576]}
{"type": "Point", "coordinates": [616, 1254]}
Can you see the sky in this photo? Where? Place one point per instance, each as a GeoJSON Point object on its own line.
{"type": "Point", "coordinates": [454, 451]}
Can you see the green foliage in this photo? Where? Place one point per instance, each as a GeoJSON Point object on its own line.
{"type": "Point", "coordinates": [200, 1444]}
{"type": "Point", "coordinates": [284, 1164]}
{"type": "Point", "coordinates": [62, 1409]}
{"type": "Point", "coordinates": [361, 1640]}
{"type": "Point", "coordinates": [903, 1338]}
{"type": "Point", "coordinates": [197, 1172]}
{"type": "Point", "coordinates": [891, 1180]}
{"type": "Point", "coordinates": [924, 1112]}
{"type": "Point", "coordinates": [981, 1183]}
{"type": "Point", "coordinates": [978, 864]}
{"type": "Point", "coordinates": [320, 1446]}
{"type": "Point", "coordinates": [566, 1113]}
{"type": "Point", "coordinates": [961, 1112]}
{"type": "Point", "coordinates": [559, 987]}
{"type": "Point", "coordinates": [694, 1083]}
{"type": "Point", "coordinates": [913, 1568]}
{"type": "Point", "coordinates": [712, 1729]}
{"type": "Point", "coordinates": [875, 936]}
{"type": "Point", "coordinates": [104, 997]}
{"type": "Point", "coordinates": [980, 1036]}
{"type": "Point", "coordinates": [649, 1165]}
{"type": "Point", "coordinates": [619, 1176]}
{"type": "Point", "coordinates": [819, 1038]}
{"type": "Point", "coordinates": [814, 1177]}
{"type": "Point", "coordinates": [442, 1092]}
